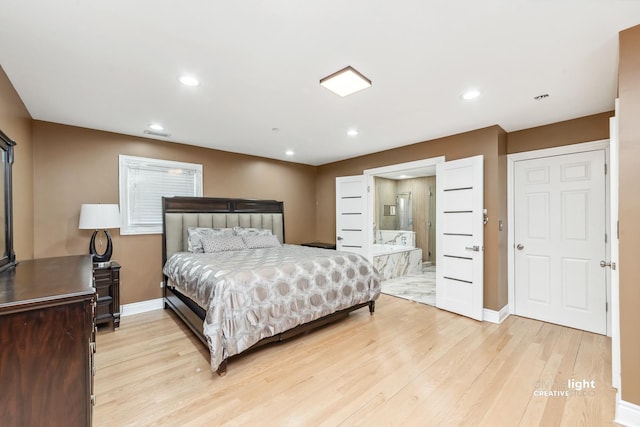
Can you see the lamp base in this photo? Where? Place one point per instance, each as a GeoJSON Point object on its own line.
{"type": "Point", "coordinates": [104, 257]}
{"type": "Point", "coordinates": [101, 264]}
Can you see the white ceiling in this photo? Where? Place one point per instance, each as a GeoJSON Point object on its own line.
{"type": "Point", "coordinates": [114, 65]}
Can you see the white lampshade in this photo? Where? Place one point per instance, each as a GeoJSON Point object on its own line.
{"type": "Point", "coordinates": [99, 217]}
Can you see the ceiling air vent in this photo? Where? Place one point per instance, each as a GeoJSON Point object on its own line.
{"type": "Point", "coordinates": [539, 97]}
{"type": "Point", "coordinates": [156, 133]}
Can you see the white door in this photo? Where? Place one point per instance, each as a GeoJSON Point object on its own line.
{"type": "Point", "coordinates": [560, 211]}
{"type": "Point", "coordinates": [460, 236]}
{"type": "Point", "coordinates": [350, 214]}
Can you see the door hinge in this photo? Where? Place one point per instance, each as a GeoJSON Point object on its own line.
{"type": "Point", "coordinates": [606, 307]}
{"type": "Point", "coordinates": [605, 168]}
{"type": "Point", "coordinates": [368, 189]}
{"type": "Point", "coordinates": [605, 237]}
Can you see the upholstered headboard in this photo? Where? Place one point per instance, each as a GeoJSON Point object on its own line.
{"type": "Point", "coordinates": [180, 213]}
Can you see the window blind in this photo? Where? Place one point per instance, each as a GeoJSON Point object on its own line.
{"type": "Point", "coordinates": [143, 183]}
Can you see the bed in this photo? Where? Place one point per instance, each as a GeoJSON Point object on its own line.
{"type": "Point", "coordinates": [234, 282]}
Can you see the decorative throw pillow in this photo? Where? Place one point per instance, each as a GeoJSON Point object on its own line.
{"type": "Point", "coordinates": [257, 242]}
{"type": "Point", "coordinates": [222, 243]}
{"type": "Point", "coordinates": [197, 233]}
{"type": "Point", "coordinates": [248, 231]}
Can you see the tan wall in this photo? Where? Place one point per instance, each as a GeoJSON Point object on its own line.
{"type": "Point", "coordinates": [629, 210]}
{"type": "Point", "coordinates": [76, 165]}
{"type": "Point", "coordinates": [385, 194]}
{"type": "Point", "coordinates": [583, 129]}
{"type": "Point", "coordinates": [15, 122]}
{"type": "Point", "coordinates": [482, 141]}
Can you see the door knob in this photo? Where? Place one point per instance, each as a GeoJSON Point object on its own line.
{"type": "Point", "coordinates": [611, 264]}
{"type": "Point", "coordinates": [520, 247]}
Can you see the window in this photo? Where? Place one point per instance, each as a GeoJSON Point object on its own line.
{"type": "Point", "coordinates": [144, 181]}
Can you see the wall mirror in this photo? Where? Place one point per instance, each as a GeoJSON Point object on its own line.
{"type": "Point", "coordinates": [7, 256]}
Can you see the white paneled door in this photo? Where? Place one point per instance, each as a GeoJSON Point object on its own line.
{"type": "Point", "coordinates": [560, 214]}
{"type": "Point", "coordinates": [460, 236]}
{"type": "Point", "coordinates": [350, 214]}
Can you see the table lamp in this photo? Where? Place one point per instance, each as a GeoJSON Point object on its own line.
{"type": "Point", "coordinates": [99, 217]}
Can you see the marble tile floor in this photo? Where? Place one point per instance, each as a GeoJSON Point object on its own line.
{"type": "Point", "coordinates": [415, 287]}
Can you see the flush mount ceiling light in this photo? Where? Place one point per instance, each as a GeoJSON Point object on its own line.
{"type": "Point", "coordinates": [188, 80]}
{"type": "Point", "coordinates": [156, 126]}
{"type": "Point", "coordinates": [289, 153]}
{"type": "Point", "coordinates": [345, 82]}
{"type": "Point", "coordinates": [352, 132]}
{"type": "Point", "coordinates": [471, 94]}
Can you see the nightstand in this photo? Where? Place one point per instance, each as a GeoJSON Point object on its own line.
{"type": "Point", "coordinates": [320, 245]}
{"type": "Point", "coordinates": [107, 283]}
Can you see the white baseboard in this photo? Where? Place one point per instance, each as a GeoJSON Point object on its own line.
{"type": "Point", "coordinates": [495, 316]}
{"type": "Point", "coordinates": [141, 307]}
{"type": "Point", "coordinates": [627, 414]}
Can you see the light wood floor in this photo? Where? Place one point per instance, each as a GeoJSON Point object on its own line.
{"type": "Point", "coordinates": [409, 364]}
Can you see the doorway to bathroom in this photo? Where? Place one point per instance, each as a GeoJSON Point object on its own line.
{"type": "Point", "coordinates": [459, 230]}
{"type": "Point", "coordinates": [402, 209]}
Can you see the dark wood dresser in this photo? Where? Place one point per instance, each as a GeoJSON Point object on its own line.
{"type": "Point", "coordinates": [47, 341]}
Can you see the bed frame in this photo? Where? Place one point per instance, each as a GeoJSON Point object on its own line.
{"type": "Point", "coordinates": [179, 213]}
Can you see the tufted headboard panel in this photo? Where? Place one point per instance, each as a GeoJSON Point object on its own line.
{"type": "Point", "coordinates": [177, 224]}
{"type": "Point", "coordinates": [180, 213]}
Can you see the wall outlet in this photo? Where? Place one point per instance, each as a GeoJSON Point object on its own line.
{"type": "Point", "coordinates": [162, 284]}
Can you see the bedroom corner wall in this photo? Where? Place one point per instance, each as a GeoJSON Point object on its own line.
{"type": "Point", "coordinates": [15, 121]}
{"type": "Point", "coordinates": [77, 165]}
{"type": "Point", "coordinates": [495, 144]}
{"type": "Point", "coordinates": [485, 141]}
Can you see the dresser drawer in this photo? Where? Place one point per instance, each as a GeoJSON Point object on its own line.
{"type": "Point", "coordinates": [103, 290]}
{"type": "Point", "coordinates": [104, 307]}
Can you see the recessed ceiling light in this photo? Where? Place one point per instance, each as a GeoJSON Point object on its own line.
{"type": "Point", "coordinates": [289, 153]}
{"type": "Point", "coordinates": [156, 126]}
{"type": "Point", "coordinates": [188, 80]}
{"type": "Point", "coordinates": [352, 132]}
{"type": "Point", "coordinates": [471, 94]}
{"type": "Point", "coordinates": [345, 82]}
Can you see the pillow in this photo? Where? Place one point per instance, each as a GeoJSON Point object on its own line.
{"type": "Point", "coordinates": [247, 231]}
{"type": "Point", "coordinates": [222, 243]}
{"type": "Point", "coordinates": [197, 233]}
{"type": "Point", "coordinates": [256, 242]}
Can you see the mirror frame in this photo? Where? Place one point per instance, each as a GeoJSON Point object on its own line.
{"type": "Point", "coordinates": [8, 257]}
